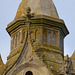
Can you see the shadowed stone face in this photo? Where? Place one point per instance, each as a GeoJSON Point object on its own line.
{"type": "Point", "coordinates": [38, 7]}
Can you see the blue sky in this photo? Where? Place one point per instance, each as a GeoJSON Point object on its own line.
{"type": "Point", "coordinates": [8, 9]}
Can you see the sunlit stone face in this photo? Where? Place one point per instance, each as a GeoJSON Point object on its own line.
{"type": "Point", "coordinates": [38, 7]}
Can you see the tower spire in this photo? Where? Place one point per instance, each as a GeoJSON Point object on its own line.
{"type": "Point", "coordinates": [38, 7]}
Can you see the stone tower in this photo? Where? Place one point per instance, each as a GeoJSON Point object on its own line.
{"type": "Point", "coordinates": [37, 40]}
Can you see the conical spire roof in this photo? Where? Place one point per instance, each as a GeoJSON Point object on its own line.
{"type": "Point", "coordinates": [38, 7]}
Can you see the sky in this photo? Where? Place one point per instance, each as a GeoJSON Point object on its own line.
{"type": "Point", "coordinates": [8, 9]}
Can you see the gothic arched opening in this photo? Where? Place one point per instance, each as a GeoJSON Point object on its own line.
{"type": "Point", "coordinates": [29, 73]}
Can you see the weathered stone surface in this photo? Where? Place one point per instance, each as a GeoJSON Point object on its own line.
{"type": "Point", "coordinates": [37, 40]}
{"type": "Point", "coordinates": [39, 28]}
{"type": "Point", "coordinates": [73, 61]}
{"type": "Point", "coordinates": [38, 7]}
{"type": "Point", "coordinates": [28, 61]}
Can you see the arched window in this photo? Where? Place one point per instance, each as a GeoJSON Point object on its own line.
{"type": "Point", "coordinates": [23, 35]}
{"type": "Point", "coordinates": [29, 73]}
{"type": "Point", "coordinates": [54, 38]}
{"type": "Point", "coordinates": [49, 37]}
{"type": "Point", "coordinates": [45, 35]}
{"type": "Point", "coordinates": [16, 40]}
{"type": "Point", "coordinates": [11, 43]}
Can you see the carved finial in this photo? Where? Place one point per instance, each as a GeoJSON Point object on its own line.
{"type": "Point", "coordinates": [29, 14]}
{"type": "Point", "coordinates": [28, 10]}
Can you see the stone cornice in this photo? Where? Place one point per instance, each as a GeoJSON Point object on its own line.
{"type": "Point", "coordinates": [39, 20]}
{"type": "Point", "coordinates": [50, 21]}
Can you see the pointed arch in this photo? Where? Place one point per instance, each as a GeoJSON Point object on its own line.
{"type": "Point", "coordinates": [54, 38]}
